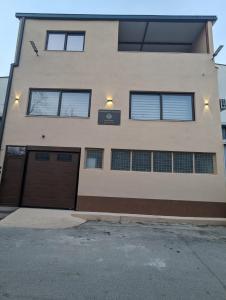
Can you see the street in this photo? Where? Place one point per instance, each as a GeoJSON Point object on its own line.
{"type": "Point", "coordinates": [113, 261]}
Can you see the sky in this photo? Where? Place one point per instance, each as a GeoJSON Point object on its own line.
{"type": "Point", "coordinates": [9, 24]}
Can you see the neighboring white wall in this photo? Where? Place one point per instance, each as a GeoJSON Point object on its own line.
{"type": "Point", "coordinates": [222, 87]}
{"type": "Point", "coordinates": [3, 87]}
{"type": "Point", "coordinates": [222, 94]}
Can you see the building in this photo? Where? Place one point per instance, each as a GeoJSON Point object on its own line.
{"type": "Point", "coordinates": [114, 113]}
{"type": "Point", "coordinates": [3, 87]}
{"type": "Point", "coordinates": [222, 93]}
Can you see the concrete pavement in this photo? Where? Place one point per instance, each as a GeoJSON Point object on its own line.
{"type": "Point", "coordinates": [41, 219]}
{"type": "Point", "coordinates": [104, 261]}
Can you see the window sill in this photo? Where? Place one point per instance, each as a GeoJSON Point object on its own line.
{"type": "Point", "coordinates": [56, 117]}
{"type": "Point", "coordinates": [79, 51]}
{"type": "Point", "coordinates": [161, 120]}
{"type": "Point", "coordinates": [96, 169]}
{"type": "Point", "coordinates": [164, 173]}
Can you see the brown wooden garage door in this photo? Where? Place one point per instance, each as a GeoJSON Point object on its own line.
{"type": "Point", "coordinates": [51, 179]}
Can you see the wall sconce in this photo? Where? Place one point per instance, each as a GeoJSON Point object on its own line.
{"type": "Point", "coordinates": [109, 103]}
{"type": "Point", "coordinates": [206, 103]}
{"type": "Point", "coordinates": [17, 99]}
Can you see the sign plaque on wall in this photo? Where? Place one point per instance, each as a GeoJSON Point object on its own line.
{"type": "Point", "coordinates": [109, 117]}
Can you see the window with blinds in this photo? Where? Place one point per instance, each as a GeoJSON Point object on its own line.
{"type": "Point", "coordinates": [74, 104]}
{"type": "Point", "coordinates": [59, 103]}
{"type": "Point", "coordinates": [145, 107]}
{"type": "Point", "coordinates": [177, 107]}
{"type": "Point", "coordinates": [161, 106]}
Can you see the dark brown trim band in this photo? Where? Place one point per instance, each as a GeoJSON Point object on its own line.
{"type": "Point", "coordinates": [152, 207]}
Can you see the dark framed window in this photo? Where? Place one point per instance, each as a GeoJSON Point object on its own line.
{"type": "Point", "coordinates": [141, 161]}
{"type": "Point", "coordinates": [162, 161]}
{"type": "Point", "coordinates": [42, 156]}
{"type": "Point", "coordinates": [65, 41]}
{"type": "Point", "coordinates": [224, 132]}
{"type": "Point", "coordinates": [16, 150]}
{"type": "Point", "coordinates": [120, 160]}
{"type": "Point", "coordinates": [162, 106]}
{"type": "Point", "coordinates": [204, 163]}
{"type": "Point", "coordinates": [94, 158]}
{"type": "Point", "coordinates": [183, 162]}
{"type": "Point", "coordinates": [62, 103]}
{"type": "Point", "coordinates": [66, 157]}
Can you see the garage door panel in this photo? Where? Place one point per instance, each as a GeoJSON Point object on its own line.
{"type": "Point", "coordinates": [51, 180]}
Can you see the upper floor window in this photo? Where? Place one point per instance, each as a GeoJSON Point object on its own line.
{"type": "Point", "coordinates": [60, 103]}
{"type": "Point", "coordinates": [161, 106]}
{"type": "Point", "coordinates": [224, 132]}
{"type": "Point", "coordinates": [65, 41]}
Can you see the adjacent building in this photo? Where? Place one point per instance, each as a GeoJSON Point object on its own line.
{"type": "Point", "coordinates": [114, 113]}
{"type": "Point", "coordinates": [3, 87]}
{"type": "Point", "coordinates": [222, 93]}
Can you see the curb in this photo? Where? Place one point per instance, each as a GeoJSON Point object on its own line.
{"type": "Point", "coordinates": [147, 219]}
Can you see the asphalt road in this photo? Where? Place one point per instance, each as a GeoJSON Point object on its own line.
{"type": "Point", "coordinates": [113, 261]}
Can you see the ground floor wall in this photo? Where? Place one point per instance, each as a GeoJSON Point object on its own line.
{"type": "Point", "coordinates": [200, 195]}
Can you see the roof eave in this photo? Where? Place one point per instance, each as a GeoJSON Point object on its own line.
{"type": "Point", "coordinates": [92, 17]}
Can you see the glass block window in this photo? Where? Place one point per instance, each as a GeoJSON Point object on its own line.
{"type": "Point", "coordinates": [94, 158]}
{"type": "Point", "coordinates": [120, 160]}
{"type": "Point", "coordinates": [162, 161]}
{"type": "Point", "coordinates": [141, 161]}
{"type": "Point", "coordinates": [204, 163]}
{"type": "Point", "coordinates": [183, 162]}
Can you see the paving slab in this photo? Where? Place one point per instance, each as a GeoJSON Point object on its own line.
{"type": "Point", "coordinates": [41, 219]}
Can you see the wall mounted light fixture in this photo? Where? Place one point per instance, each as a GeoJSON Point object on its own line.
{"type": "Point", "coordinates": [17, 99]}
{"type": "Point", "coordinates": [109, 102]}
{"type": "Point", "coordinates": [206, 102]}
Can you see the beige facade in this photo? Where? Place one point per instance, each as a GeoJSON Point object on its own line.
{"type": "Point", "coordinates": [108, 72]}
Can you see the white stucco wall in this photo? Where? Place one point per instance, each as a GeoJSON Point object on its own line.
{"type": "Point", "coordinates": [222, 87]}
